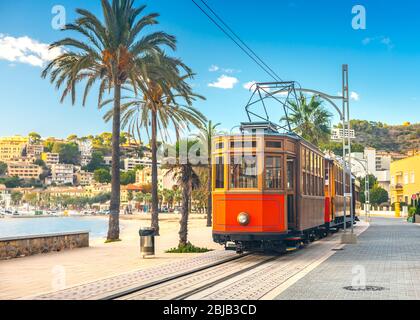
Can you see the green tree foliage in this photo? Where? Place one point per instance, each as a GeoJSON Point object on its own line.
{"type": "Point", "coordinates": [381, 136]}
{"type": "Point", "coordinates": [378, 196]}
{"type": "Point", "coordinates": [97, 162]}
{"type": "Point", "coordinates": [373, 181]}
{"type": "Point", "coordinates": [337, 147]}
{"type": "Point", "coordinates": [11, 182]}
{"type": "Point", "coordinates": [49, 144]}
{"type": "Point", "coordinates": [72, 138]}
{"type": "Point", "coordinates": [3, 168]}
{"type": "Point", "coordinates": [168, 196]}
{"type": "Point", "coordinates": [30, 198]}
{"type": "Point", "coordinates": [34, 138]}
{"type": "Point", "coordinates": [79, 202]}
{"type": "Point", "coordinates": [128, 177]}
{"type": "Point", "coordinates": [206, 135]}
{"type": "Point", "coordinates": [69, 152]}
{"type": "Point", "coordinates": [310, 119]}
{"type": "Point", "coordinates": [40, 163]}
{"type": "Point", "coordinates": [188, 179]}
{"type": "Point", "coordinates": [130, 196]}
{"type": "Point", "coordinates": [16, 197]}
{"type": "Point", "coordinates": [111, 53]}
{"type": "Point", "coordinates": [102, 176]}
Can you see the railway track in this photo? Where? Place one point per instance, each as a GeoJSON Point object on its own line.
{"type": "Point", "coordinates": [244, 277]}
{"type": "Point", "coordinates": [218, 275]}
{"type": "Point", "coordinates": [183, 286]}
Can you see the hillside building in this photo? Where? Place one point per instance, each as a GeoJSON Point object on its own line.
{"type": "Point", "coordinates": [23, 170]}
{"type": "Point", "coordinates": [50, 158]}
{"type": "Point", "coordinates": [12, 148]}
{"type": "Point", "coordinates": [405, 180]}
{"type": "Point", "coordinates": [61, 174]}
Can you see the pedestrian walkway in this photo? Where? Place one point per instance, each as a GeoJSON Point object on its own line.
{"type": "Point", "coordinates": [44, 273]}
{"type": "Point", "coordinates": [387, 257]}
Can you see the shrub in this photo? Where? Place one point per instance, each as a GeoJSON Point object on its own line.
{"type": "Point", "coordinates": [189, 248]}
{"type": "Point", "coordinates": [411, 211]}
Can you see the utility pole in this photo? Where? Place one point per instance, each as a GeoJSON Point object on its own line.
{"type": "Point", "coordinates": [345, 140]}
{"type": "Point", "coordinates": [347, 193]}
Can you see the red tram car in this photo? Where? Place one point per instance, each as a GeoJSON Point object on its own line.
{"type": "Point", "coordinates": [271, 188]}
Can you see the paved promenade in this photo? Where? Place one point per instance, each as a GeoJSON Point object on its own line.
{"type": "Point", "coordinates": [58, 270]}
{"type": "Point", "coordinates": [387, 256]}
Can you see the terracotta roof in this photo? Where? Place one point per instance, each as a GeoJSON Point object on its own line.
{"type": "Point", "coordinates": [134, 187]}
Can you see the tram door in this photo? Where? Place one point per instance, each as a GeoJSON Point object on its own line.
{"type": "Point", "coordinates": [291, 193]}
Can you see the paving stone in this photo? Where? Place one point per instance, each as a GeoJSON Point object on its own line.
{"type": "Point", "coordinates": [388, 252]}
{"type": "Point", "coordinates": [103, 288]}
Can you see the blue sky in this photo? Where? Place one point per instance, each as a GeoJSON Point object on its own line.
{"type": "Point", "coordinates": [302, 40]}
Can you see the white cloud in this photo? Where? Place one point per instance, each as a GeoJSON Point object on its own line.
{"type": "Point", "coordinates": [26, 50]}
{"type": "Point", "coordinates": [224, 82]}
{"type": "Point", "coordinates": [230, 70]}
{"type": "Point", "coordinates": [214, 68]}
{"type": "Point", "coordinates": [249, 85]}
{"type": "Point", "coordinates": [366, 41]}
{"type": "Point", "coordinates": [386, 41]}
{"type": "Point", "coordinates": [252, 86]}
{"type": "Point", "coordinates": [354, 96]}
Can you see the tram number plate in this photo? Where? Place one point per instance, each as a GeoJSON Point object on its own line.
{"type": "Point", "coordinates": [348, 195]}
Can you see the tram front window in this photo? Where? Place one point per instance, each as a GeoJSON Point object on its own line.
{"type": "Point", "coordinates": [220, 174]}
{"type": "Point", "coordinates": [273, 173]}
{"type": "Point", "coordinates": [243, 172]}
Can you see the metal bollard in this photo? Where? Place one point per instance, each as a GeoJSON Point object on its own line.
{"type": "Point", "coordinates": [147, 242]}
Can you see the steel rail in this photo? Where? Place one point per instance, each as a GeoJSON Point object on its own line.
{"type": "Point", "coordinates": [130, 291]}
{"type": "Point", "coordinates": [226, 278]}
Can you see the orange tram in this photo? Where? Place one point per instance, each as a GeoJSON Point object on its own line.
{"type": "Point", "coordinates": [273, 191]}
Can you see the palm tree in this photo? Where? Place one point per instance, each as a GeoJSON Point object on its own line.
{"type": "Point", "coordinates": [168, 196]}
{"type": "Point", "coordinates": [166, 102]}
{"type": "Point", "coordinates": [206, 135]}
{"type": "Point", "coordinates": [177, 196]}
{"type": "Point", "coordinates": [310, 119]}
{"type": "Point", "coordinates": [188, 179]}
{"type": "Point", "coordinates": [113, 54]}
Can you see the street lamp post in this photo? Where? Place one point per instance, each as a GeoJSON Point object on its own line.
{"type": "Point", "coordinates": [367, 186]}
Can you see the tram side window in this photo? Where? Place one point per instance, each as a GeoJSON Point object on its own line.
{"type": "Point", "coordinates": [273, 169]}
{"type": "Point", "coordinates": [290, 175]}
{"type": "Point", "coordinates": [322, 170]}
{"type": "Point", "coordinates": [220, 174]}
{"type": "Point", "coordinates": [243, 172]}
{"type": "Point", "coordinates": [311, 173]}
{"type": "Point", "coordinates": [302, 157]}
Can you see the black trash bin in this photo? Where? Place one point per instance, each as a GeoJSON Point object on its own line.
{"type": "Point", "coordinates": [147, 241]}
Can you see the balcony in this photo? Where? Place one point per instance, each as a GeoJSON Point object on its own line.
{"type": "Point", "coordinates": [398, 187]}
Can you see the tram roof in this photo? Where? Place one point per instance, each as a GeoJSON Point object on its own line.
{"type": "Point", "coordinates": [261, 128]}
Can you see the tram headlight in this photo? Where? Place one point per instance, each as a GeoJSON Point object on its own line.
{"type": "Point", "coordinates": [243, 219]}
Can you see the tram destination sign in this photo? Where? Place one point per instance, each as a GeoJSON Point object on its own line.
{"type": "Point", "coordinates": [339, 134]}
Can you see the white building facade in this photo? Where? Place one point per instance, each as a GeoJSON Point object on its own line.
{"type": "Point", "coordinates": [132, 163]}
{"type": "Point", "coordinates": [61, 174]}
{"type": "Point", "coordinates": [378, 164]}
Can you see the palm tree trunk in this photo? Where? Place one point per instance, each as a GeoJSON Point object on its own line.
{"type": "Point", "coordinates": [114, 225]}
{"type": "Point", "coordinates": [155, 199]}
{"type": "Point", "coordinates": [209, 182]}
{"type": "Point", "coordinates": [209, 197]}
{"type": "Point", "coordinates": [183, 231]}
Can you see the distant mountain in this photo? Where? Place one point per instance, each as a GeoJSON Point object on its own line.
{"type": "Point", "coordinates": [381, 136]}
